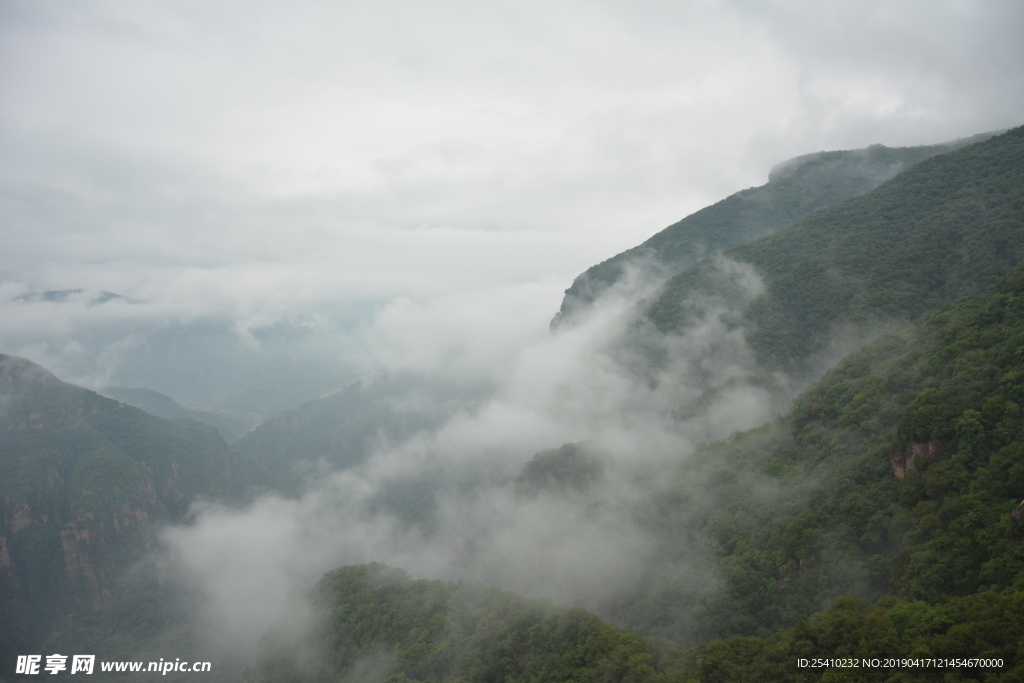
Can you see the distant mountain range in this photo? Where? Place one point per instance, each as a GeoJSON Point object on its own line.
{"type": "Point", "coordinates": [59, 295]}
{"type": "Point", "coordinates": [230, 427]}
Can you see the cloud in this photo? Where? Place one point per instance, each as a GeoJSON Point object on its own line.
{"type": "Point", "coordinates": [443, 504]}
{"type": "Point", "coordinates": [251, 167]}
{"type": "Point", "coordinates": [313, 189]}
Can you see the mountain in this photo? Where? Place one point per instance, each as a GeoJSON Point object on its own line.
{"type": "Point", "coordinates": [891, 641]}
{"type": "Point", "coordinates": [881, 514]}
{"type": "Point", "coordinates": [950, 226]}
{"type": "Point", "coordinates": [231, 428]}
{"type": "Point", "coordinates": [343, 429]}
{"type": "Point", "coordinates": [85, 481]}
{"type": "Point", "coordinates": [257, 402]}
{"type": "Point", "coordinates": [796, 188]}
{"type": "Point", "coordinates": [378, 624]}
{"type": "Point", "coordinates": [91, 298]}
{"type": "Point", "coordinates": [570, 467]}
{"type": "Point", "coordinates": [896, 481]}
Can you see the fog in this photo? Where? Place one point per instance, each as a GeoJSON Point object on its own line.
{"type": "Point", "coordinates": [287, 198]}
{"type": "Point", "coordinates": [444, 503]}
{"type": "Point", "coordinates": [261, 182]}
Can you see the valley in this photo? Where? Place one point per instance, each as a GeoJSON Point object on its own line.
{"type": "Point", "coordinates": [788, 425]}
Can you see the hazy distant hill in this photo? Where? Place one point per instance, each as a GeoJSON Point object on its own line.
{"type": "Point", "coordinates": [92, 298]}
{"type": "Point", "coordinates": [260, 401]}
{"type": "Point", "coordinates": [83, 482]}
{"type": "Point", "coordinates": [231, 428]}
{"type": "Point", "coordinates": [343, 429]}
{"type": "Point", "coordinates": [570, 467]}
{"type": "Point", "coordinates": [795, 188]}
{"type": "Point", "coordinates": [951, 226]}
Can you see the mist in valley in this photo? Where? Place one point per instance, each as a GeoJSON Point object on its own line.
{"type": "Point", "coordinates": [450, 502]}
{"type": "Point", "coordinates": [251, 209]}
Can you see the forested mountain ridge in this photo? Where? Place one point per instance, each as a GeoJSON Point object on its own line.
{"type": "Point", "coordinates": [230, 427]}
{"type": "Point", "coordinates": [378, 624]}
{"type": "Point", "coordinates": [795, 188]}
{"type": "Point", "coordinates": [343, 429]}
{"type": "Point", "coordinates": [899, 476]}
{"type": "Point", "coordinates": [948, 227]}
{"type": "Point", "coordinates": [83, 482]}
{"type": "Point", "coordinates": [881, 516]}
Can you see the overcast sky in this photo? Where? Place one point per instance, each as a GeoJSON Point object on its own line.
{"type": "Point", "coordinates": [319, 162]}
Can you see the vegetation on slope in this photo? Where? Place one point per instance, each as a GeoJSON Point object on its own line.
{"type": "Point", "coordinates": [343, 429]}
{"type": "Point", "coordinates": [988, 626]}
{"type": "Point", "coordinates": [900, 474]}
{"type": "Point", "coordinates": [377, 624]}
{"type": "Point", "coordinates": [83, 481]}
{"type": "Point", "coordinates": [891, 491]}
{"type": "Point", "coordinates": [381, 625]}
{"type": "Point", "coordinates": [153, 402]}
{"type": "Point", "coordinates": [571, 467]}
{"type": "Point", "coordinates": [795, 188]}
{"type": "Point", "coordinates": [951, 226]}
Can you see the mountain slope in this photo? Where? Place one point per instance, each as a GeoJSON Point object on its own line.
{"type": "Point", "coordinates": [381, 625]}
{"type": "Point", "coordinates": [343, 429]}
{"type": "Point", "coordinates": [900, 473]}
{"type": "Point", "coordinates": [377, 624]}
{"type": "Point", "coordinates": [950, 226]}
{"type": "Point", "coordinates": [83, 481]}
{"type": "Point", "coordinates": [795, 188]}
{"type": "Point", "coordinates": [892, 641]}
{"type": "Point", "coordinates": [231, 428]}
{"type": "Point", "coordinates": [895, 481]}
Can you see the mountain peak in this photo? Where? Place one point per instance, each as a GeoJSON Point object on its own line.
{"type": "Point", "coordinates": [17, 373]}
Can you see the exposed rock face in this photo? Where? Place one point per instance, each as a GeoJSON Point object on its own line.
{"type": "Point", "coordinates": [74, 543]}
{"type": "Point", "coordinates": [5, 557]}
{"type": "Point", "coordinates": [1017, 511]}
{"type": "Point", "coordinates": [903, 463]}
{"type": "Point", "coordinates": [806, 564]}
{"type": "Point", "coordinates": [83, 479]}
{"type": "Point", "coordinates": [20, 518]}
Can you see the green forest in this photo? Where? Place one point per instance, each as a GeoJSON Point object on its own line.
{"type": "Point", "coordinates": [891, 491]}
{"type": "Point", "coordinates": [795, 189]}
{"type": "Point", "coordinates": [948, 227]}
{"type": "Point", "coordinates": [880, 517]}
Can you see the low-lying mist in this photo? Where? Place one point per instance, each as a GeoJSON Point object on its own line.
{"type": "Point", "coordinates": [445, 503]}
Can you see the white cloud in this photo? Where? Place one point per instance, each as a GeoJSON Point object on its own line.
{"type": "Point", "coordinates": [442, 503]}
{"type": "Point", "coordinates": [305, 187]}
{"type": "Point", "coordinates": [261, 164]}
